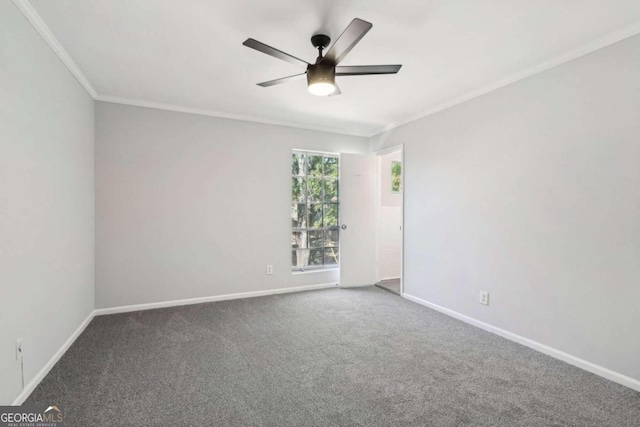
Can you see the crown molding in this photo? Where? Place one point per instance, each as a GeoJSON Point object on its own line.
{"type": "Point", "coordinates": [221, 115]}
{"type": "Point", "coordinates": [585, 49]}
{"type": "Point", "coordinates": [34, 18]}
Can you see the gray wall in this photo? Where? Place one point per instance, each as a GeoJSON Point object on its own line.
{"type": "Point", "coordinates": [532, 193]}
{"type": "Point", "coordinates": [192, 206]}
{"type": "Point", "coordinates": [46, 201]}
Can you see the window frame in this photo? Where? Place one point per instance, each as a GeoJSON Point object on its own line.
{"type": "Point", "coordinates": [323, 203]}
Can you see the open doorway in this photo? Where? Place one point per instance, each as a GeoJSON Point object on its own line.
{"type": "Point", "coordinates": [389, 217]}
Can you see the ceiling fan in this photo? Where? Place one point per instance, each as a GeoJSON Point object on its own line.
{"type": "Point", "coordinates": [321, 76]}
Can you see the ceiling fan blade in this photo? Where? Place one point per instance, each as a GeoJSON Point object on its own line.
{"type": "Point", "coordinates": [347, 40]}
{"type": "Point", "coordinates": [282, 80]}
{"type": "Point", "coordinates": [261, 47]}
{"type": "Point", "coordinates": [337, 91]}
{"type": "Point", "coordinates": [360, 70]}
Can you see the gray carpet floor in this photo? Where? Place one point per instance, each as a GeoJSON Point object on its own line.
{"type": "Point", "coordinates": [335, 357]}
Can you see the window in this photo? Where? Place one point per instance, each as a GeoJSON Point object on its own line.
{"type": "Point", "coordinates": [396, 177]}
{"type": "Point", "coordinates": [314, 210]}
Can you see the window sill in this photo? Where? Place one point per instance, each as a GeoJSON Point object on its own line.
{"type": "Point", "coordinates": [315, 270]}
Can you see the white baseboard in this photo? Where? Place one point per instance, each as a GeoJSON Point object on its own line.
{"type": "Point", "coordinates": [175, 303]}
{"type": "Point", "coordinates": [28, 389]}
{"type": "Point", "coordinates": [550, 351]}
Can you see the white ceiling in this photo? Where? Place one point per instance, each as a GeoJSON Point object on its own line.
{"type": "Point", "coordinates": [188, 54]}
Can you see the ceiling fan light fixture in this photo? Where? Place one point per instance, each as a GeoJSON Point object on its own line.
{"type": "Point", "coordinates": [321, 88]}
{"type": "Point", "coordinates": [321, 80]}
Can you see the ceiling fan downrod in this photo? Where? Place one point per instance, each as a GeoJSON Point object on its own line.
{"type": "Point", "coordinates": [320, 42]}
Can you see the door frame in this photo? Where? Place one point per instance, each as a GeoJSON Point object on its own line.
{"type": "Point", "coordinates": [379, 153]}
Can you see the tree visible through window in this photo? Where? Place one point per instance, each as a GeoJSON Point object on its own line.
{"type": "Point", "coordinates": [396, 177]}
{"type": "Point", "coordinates": [314, 210]}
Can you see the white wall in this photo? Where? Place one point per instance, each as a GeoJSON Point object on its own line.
{"type": "Point", "coordinates": [192, 206]}
{"type": "Point", "coordinates": [532, 193]}
{"type": "Point", "coordinates": [389, 220]}
{"type": "Point", "coordinates": [46, 201]}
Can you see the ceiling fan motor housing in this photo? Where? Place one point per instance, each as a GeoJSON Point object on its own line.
{"type": "Point", "coordinates": [321, 73]}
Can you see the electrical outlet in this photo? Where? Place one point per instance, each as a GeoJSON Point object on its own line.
{"type": "Point", "coordinates": [269, 269]}
{"type": "Point", "coordinates": [19, 349]}
{"type": "Point", "coordinates": [484, 297]}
